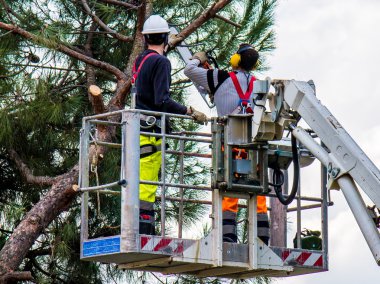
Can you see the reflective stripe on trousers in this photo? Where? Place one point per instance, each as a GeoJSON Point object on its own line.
{"type": "Point", "coordinates": [230, 208]}
{"type": "Point", "coordinates": [231, 204]}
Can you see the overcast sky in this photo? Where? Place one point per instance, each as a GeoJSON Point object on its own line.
{"type": "Point", "coordinates": [337, 44]}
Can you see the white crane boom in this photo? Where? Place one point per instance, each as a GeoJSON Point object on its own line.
{"type": "Point", "coordinates": [346, 162]}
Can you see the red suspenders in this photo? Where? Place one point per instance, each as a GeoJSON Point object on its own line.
{"type": "Point", "coordinates": [136, 73]}
{"type": "Point", "coordinates": [244, 97]}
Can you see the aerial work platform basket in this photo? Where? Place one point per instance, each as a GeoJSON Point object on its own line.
{"type": "Point", "coordinates": [171, 253]}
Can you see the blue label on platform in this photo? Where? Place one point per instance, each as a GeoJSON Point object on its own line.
{"type": "Point", "coordinates": [103, 246]}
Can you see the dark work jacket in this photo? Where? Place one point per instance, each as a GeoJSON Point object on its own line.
{"type": "Point", "coordinates": [153, 83]}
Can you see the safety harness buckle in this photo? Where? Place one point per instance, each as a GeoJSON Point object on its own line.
{"type": "Point", "coordinates": [149, 149]}
{"type": "Point", "coordinates": [246, 106]}
{"type": "Point", "coordinates": [148, 121]}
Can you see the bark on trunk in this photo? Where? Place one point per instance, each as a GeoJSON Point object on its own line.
{"type": "Point", "coordinates": [15, 277]}
{"type": "Point", "coordinates": [278, 218]}
{"type": "Point", "coordinates": [39, 217]}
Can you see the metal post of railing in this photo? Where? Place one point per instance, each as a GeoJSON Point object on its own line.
{"type": "Point", "coordinates": [299, 225]}
{"type": "Point", "coordinates": [217, 230]}
{"type": "Point", "coordinates": [123, 163]}
{"type": "Point", "coordinates": [181, 180]}
{"type": "Point", "coordinates": [130, 205]}
{"type": "Point", "coordinates": [217, 153]}
{"type": "Point", "coordinates": [84, 178]}
{"type": "Point", "coordinates": [264, 182]}
{"type": "Point", "coordinates": [263, 162]}
{"type": "Point", "coordinates": [228, 175]}
{"type": "Point", "coordinates": [324, 213]}
{"type": "Point", "coordinates": [163, 177]}
{"type": "Point", "coordinates": [252, 232]}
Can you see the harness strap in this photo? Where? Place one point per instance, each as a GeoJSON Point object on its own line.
{"type": "Point", "coordinates": [148, 149]}
{"type": "Point", "coordinates": [135, 72]}
{"type": "Point", "coordinates": [243, 96]}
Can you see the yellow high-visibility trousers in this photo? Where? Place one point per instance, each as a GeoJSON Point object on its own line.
{"type": "Point", "coordinates": [149, 169]}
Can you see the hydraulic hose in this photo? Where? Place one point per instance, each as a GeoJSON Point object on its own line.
{"type": "Point", "coordinates": [278, 177]}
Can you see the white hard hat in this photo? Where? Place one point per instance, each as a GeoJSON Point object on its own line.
{"type": "Point", "coordinates": [155, 24]}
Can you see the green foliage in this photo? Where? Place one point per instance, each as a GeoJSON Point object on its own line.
{"type": "Point", "coordinates": [6, 130]}
{"type": "Point", "coordinates": [43, 98]}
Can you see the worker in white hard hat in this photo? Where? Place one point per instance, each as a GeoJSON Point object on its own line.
{"type": "Point", "coordinates": [226, 88]}
{"type": "Point", "coordinates": [152, 79]}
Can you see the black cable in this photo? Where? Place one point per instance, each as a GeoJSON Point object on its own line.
{"type": "Point", "coordinates": [263, 106]}
{"type": "Point", "coordinates": [277, 176]}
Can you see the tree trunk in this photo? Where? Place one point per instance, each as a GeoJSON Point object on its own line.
{"type": "Point", "coordinates": [38, 218]}
{"type": "Point", "coordinates": [278, 217]}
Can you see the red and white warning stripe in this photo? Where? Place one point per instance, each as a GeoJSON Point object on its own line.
{"type": "Point", "coordinates": [166, 245]}
{"type": "Point", "coordinates": [303, 258]}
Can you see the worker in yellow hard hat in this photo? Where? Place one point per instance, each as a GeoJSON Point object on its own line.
{"type": "Point", "coordinates": [151, 77]}
{"type": "Point", "coordinates": [232, 92]}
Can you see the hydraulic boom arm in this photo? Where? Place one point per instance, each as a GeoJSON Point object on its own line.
{"type": "Point", "coordinates": [346, 163]}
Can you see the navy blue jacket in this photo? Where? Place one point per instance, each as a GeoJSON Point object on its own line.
{"type": "Point", "coordinates": [153, 84]}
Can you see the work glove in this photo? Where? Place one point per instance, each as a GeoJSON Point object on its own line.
{"type": "Point", "coordinates": [201, 56]}
{"type": "Point", "coordinates": [198, 116]}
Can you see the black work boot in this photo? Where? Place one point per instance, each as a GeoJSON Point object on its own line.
{"type": "Point", "coordinates": [146, 222]}
{"type": "Point", "coordinates": [146, 218]}
{"type": "Point", "coordinates": [229, 227]}
{"type": "Point", "coordinates": [263, 227]}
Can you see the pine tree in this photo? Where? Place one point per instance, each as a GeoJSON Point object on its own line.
{"type": "Point", "coordinates": [50, 52]}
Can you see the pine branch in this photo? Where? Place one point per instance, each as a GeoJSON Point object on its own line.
{"type": "Point", "coordinates": [123, 4]}
{"type": "Point", "coordinates": [46, 67]}
{"type": "Point", "coordinates": [64, 78]}
{"type": "Point", "coordinates": [123, 87]}
{"type": "Point", "coordinates": [54, 202]}
{"type": "Point", "coordinates": [95, 98]}
{"type": "Point", "coordinates": [15, 73]}
{"type": "Point", "coordinates": [12, 277]}
{"type": "Point", "coordinates": [38, 252]}
{"type": "Point", "coordinates": [228, 21]}
{"type": "Point", "coordinates": [194, 25]}
{"type": "Point", "coordinates": [158, 279]}
{"type": "Point", "coordinates": [10, 11]}
{"type": "Point", "coordinates": [64, 49]}
{"type": "Point", "coordinates": [181, 81]}
{"type": "Point", "coordinates": [51, 275]}
{"type": "Point", "coordinates": [96, 19]}
{"type": "Point", "coordinates": [5, 231]}
{"type": "Point", "coordinates": [27, 173]}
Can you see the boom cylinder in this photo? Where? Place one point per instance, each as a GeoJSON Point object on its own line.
{"type": "Point", "coordinates": [358, 208]}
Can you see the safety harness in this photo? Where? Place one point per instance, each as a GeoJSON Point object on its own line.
{"type": "Point", "coordinates": [135, 72]}
{"type": "Point", "coordinates": [149, 149]}
{"type": "Point", "coordinates": [148, 121]}
{"type": "Point", "coordinates": [244, 104]}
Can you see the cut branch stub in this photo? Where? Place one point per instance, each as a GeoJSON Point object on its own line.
{"type": "Point", "coordinates": [96, 99]}
{"type": "Point", "coordinates": [94, 90]}
{"type": "Point", "coordinates": [196, 23]}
